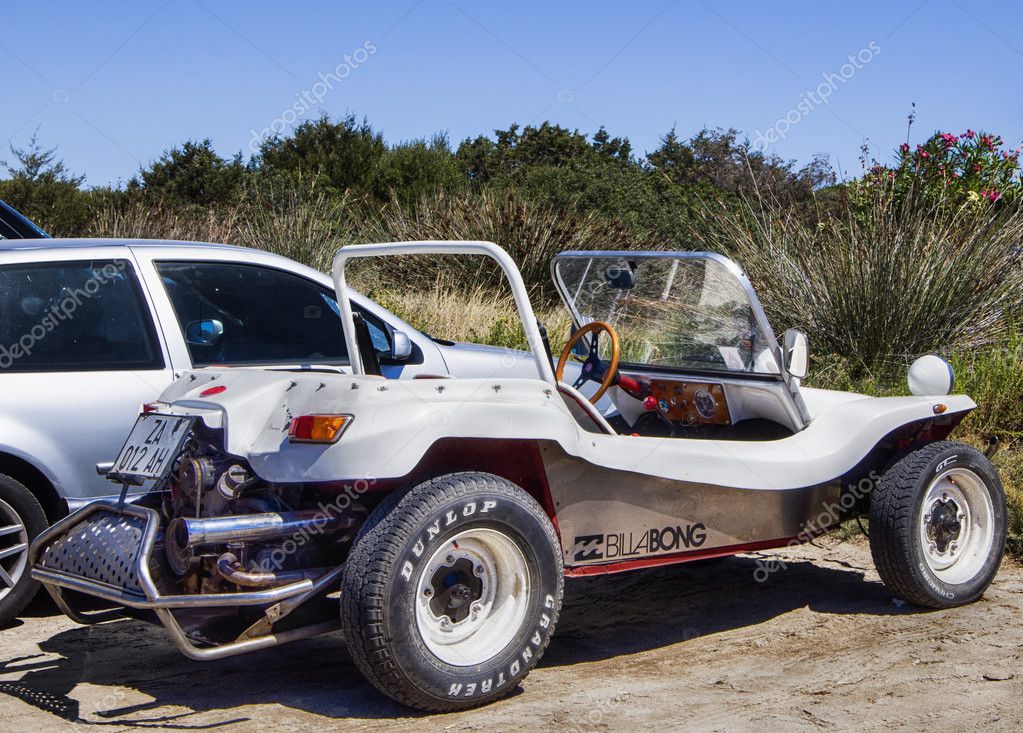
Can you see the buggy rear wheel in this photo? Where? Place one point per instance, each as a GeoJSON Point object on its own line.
{"type": "Point", "coordinates": [938, 525]}
{"type": "Point", "coordinates": [452, 591]}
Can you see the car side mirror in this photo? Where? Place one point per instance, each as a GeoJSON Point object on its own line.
{"type": "Point", "coordinates": [797, 353]}
{"type": "Point", "coordinates": [204, 333]}
{"type": "Point", "coordinates": [401, 346]}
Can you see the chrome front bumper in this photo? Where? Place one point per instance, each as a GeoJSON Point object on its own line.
{"type": "Point", "coordinates": [106, 551]}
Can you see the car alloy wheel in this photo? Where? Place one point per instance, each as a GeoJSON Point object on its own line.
{"type": "Point", "coordinates": [13, 548]}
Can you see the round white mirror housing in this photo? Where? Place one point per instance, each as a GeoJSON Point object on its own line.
{"type": "Point", "coordinates": [931, 375]}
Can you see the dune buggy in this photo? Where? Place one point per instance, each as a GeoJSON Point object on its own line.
{"type": "Point", "coordinates": [433, 519]}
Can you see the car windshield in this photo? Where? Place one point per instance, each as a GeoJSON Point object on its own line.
{"type": "Point", "coordinates": [680, 311]}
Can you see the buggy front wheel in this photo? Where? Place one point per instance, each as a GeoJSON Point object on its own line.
{"type": "Point", "coordinates": [938, 525]}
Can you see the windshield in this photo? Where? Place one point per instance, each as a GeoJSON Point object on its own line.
{"type": "Point", "coordinates": [683, 311]}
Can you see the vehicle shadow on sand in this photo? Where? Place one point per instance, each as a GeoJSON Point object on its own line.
{"type": "Point", "coordinates": [151, 685]}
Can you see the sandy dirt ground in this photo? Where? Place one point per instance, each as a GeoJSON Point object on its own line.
{"type": "Point", "coordinates": [819, 645]}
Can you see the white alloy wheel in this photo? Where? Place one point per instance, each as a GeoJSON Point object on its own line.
{"type": "Point", "coordinates": [956, 525]}
{"type": "Point", "coordinates": [473, 596]}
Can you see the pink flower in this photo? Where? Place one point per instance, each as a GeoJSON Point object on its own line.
{"type": "Point", "coordinates": [904, 147]}
{"type": "Point", "coordinates": [976, 167]}
{"type": "Point", "coordinates": [925, 155]}
{"type": "Point", "coordinates": [969, 133]}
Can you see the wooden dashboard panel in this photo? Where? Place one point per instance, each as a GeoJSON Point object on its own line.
{"type": "Point", "coordinates": [688, 403]}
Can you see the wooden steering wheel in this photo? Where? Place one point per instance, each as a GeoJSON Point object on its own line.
{"type": "Point", "coordinates": [594, 367]}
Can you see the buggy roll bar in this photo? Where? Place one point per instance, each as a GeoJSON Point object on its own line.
{"type": "Point", "coordinates": [487, 249]}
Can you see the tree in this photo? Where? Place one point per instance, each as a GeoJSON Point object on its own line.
{"type": "Point", "coordinates": [193, 173]}
{"type": "Point", "coordinates": [411, 170]}
{"type": "Point", "coordinates": [42, 188]}
{"type": "Point", "coordinates": [716, 157]}
{"type": "Point", "coordinates": [342, 154]}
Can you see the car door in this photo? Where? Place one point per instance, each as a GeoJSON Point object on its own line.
{"type": "Point", "coordinates": [79, 353]}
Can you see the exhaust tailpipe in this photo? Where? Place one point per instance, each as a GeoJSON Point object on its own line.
{"type": "Point", "coordinates": [185, 532]}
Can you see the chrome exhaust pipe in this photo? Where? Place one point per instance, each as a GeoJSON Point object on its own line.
{"type": "Point", "coordinates": [186, 533]}
{"type": "Point", "coordinates": [230, 569]}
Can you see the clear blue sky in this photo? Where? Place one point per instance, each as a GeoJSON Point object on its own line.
{"type": "Point", "coordinates": [115, 83]}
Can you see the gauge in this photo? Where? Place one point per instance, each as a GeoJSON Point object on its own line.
{"type": "Point", "coordinates": [705, 403]}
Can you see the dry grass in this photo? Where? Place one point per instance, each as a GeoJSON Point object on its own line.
{"type": "Point", "coordinates": [481, 315]}
{"type": "Point", "coordinates": [532, 232]}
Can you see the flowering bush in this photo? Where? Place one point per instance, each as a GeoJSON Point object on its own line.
{"type": "Point", "coordinates": [973, 167]}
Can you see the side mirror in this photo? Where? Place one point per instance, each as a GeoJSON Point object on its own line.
{"type": "Point", "coordinates": [401, 346]}
{"type": "Point", "coordinates": [796, 349]}
{"type": "Point", "coordinates": [204, 333]}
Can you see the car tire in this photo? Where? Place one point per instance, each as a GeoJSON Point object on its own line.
{"type": "Point", "coordinates": [452, 591]}
{"type": "Point", "coordinates": [938, 525]}
{"type": "Point", "coordinates": [22, 519]}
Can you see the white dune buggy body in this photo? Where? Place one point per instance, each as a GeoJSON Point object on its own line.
{"type": "Point", "coordinates": [602, 485]}
{"type": "Point", "coordinates": [723, 455]}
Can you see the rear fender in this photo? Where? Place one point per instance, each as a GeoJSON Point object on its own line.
{"type": "Point", "coordinates": [519, 461]}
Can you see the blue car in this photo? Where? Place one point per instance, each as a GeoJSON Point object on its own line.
{"type": "Point", "coordinates": [15, 226]}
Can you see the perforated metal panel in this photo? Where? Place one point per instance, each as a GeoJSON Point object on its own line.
{"type": "Point", "coordinates": [104, 547]}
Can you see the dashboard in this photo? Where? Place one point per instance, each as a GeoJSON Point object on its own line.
{"type": "Point", "coordinates": [688, 402]}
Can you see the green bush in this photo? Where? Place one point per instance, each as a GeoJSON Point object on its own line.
{"type": "Point", "coordinates": [973, 168]}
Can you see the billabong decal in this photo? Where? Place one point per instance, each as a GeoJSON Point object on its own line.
{"type": "Point", "coordinates": [654, 541]}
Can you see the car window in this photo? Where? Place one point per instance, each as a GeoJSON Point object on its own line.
{"type": "Point", "coordinates": [75, 316]}
{"type": "Point", "coordinates": [248, 314]}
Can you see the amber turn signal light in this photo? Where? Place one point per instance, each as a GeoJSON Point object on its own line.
{"type": "Point", "coordinates": [318, 428]}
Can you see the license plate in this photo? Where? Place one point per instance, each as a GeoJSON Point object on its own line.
{"type": "Point", "coordinates": [151, 447]}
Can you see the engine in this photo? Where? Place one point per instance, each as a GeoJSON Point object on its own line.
{"type": "Point", "coordinates": [228, 530]}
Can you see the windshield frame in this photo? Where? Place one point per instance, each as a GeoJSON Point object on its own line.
{"type": "Point", "coordinates": [733, 269]}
